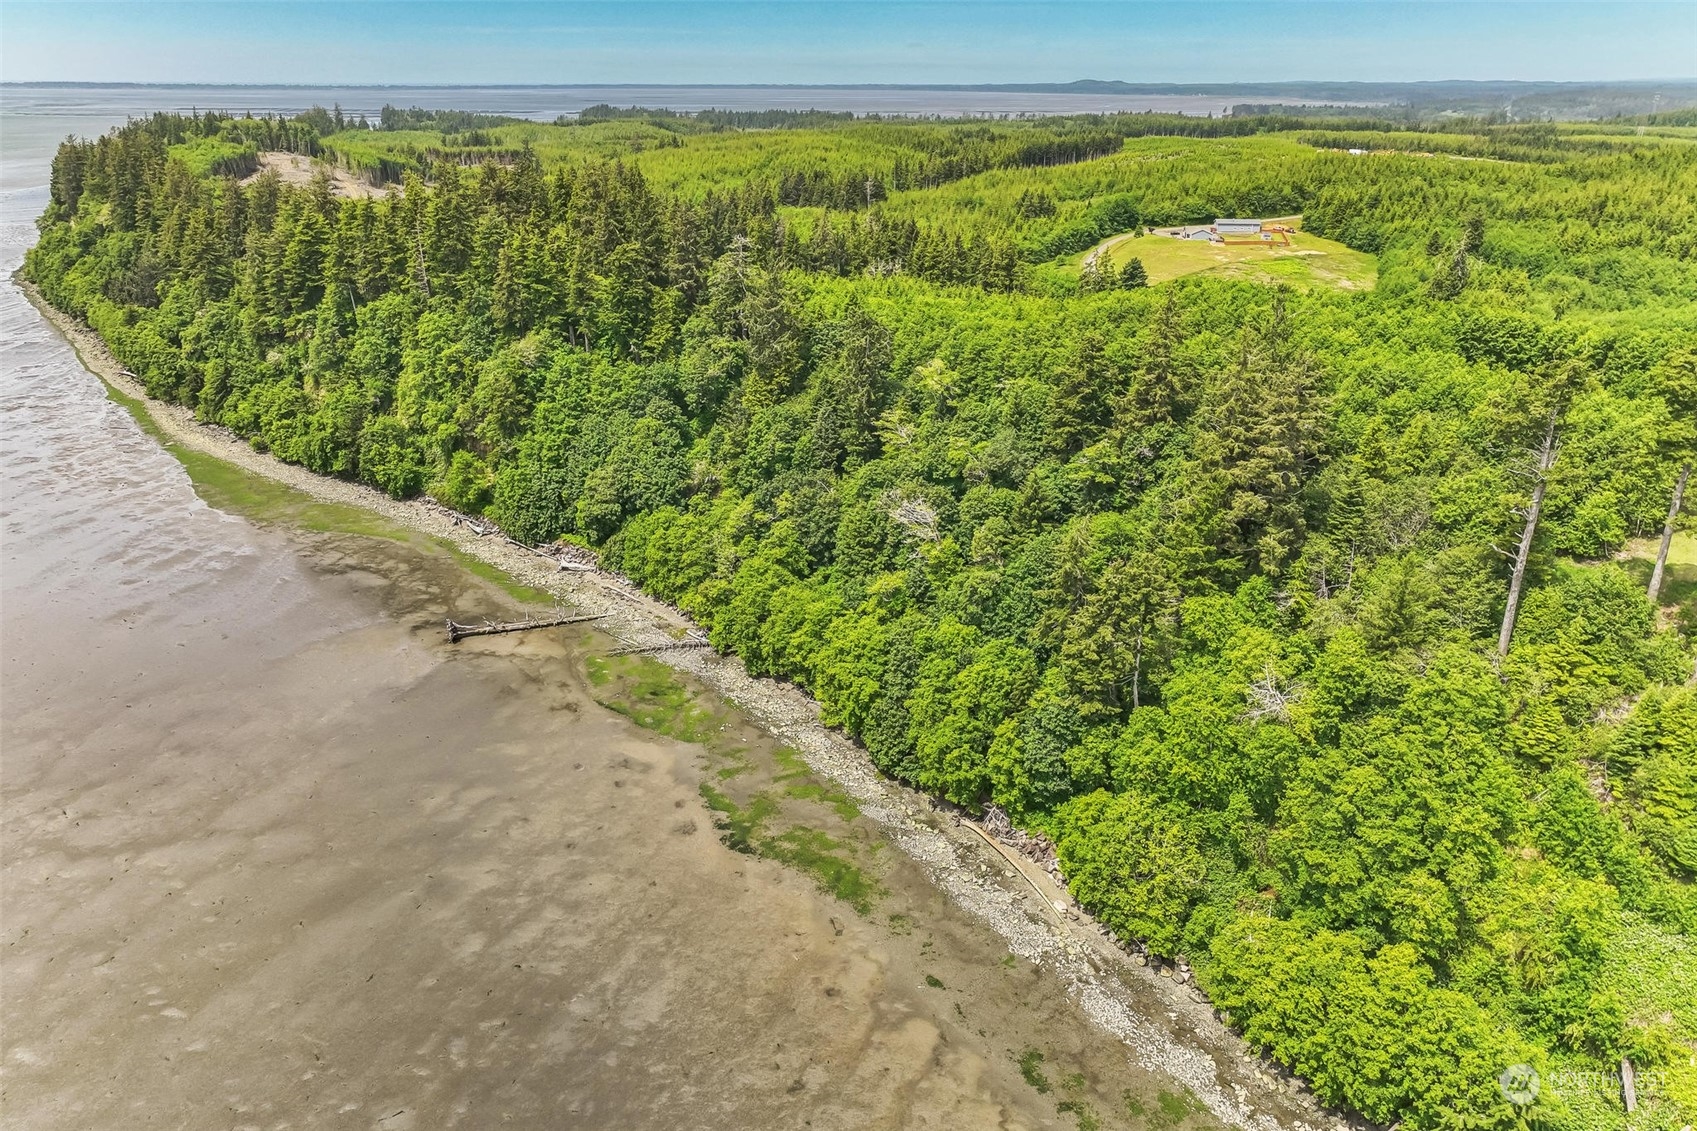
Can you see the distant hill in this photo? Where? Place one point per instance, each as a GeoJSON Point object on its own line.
{"type": "Point", "coordinates": [1513, 100]}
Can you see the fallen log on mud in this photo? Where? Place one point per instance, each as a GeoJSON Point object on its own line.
{"type": "Point", "coordinates": [1052, 910]}
{"type": "Point", "coordinates": [458, 632]}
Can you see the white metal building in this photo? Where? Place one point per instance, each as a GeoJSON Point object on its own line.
{"type": "Point", "coordinates": [1237, 227]}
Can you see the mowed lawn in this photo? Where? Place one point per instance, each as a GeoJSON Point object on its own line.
{"type": "Point", "coordinates": [1309, 262]}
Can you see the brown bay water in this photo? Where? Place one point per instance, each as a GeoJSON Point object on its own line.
{"type": "Point", "coordinates": [274, 854]}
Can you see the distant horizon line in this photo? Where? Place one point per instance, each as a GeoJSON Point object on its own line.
{"type": "Point", "coordinates": [1087, 86]}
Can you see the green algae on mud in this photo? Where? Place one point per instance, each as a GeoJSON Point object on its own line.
{"type": "Point", "coordinates": [649, 694]}
{"type": "Point", "coordinates": [802, 783]}
{"type": "Point", "coordinates": [826, 859]}
{"type": "Point", "coordinates": [1031, 1067]}
{"type": "Point", "coordinates": [1171, 1110]}
{"type": "Point", "coordinates": [477, 567]}
{"type": "Point", "coordinates": [228, 487]}
{"type": "Point", "coordinates": [236, 490]}
{"type": "Point", "coordinates": [807, 850]}
{"type": "Point", "coordinates": [778, 804]}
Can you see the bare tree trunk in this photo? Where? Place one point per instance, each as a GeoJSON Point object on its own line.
{"type": "Point", "coordinates": [1655, 589]}
{"type": "Point", "coordinates": [1628, 1085]}
{"type": "Point", "coordinates": [1546, 460]}
{"type": "Point", "coordinates": [1137, 672]}
{"type": "Point", "coordinates": [418, 251]}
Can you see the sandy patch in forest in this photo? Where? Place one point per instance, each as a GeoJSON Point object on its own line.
{"type": "Point", "coordinates": [294, 169]}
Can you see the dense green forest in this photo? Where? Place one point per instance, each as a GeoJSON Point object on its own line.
{"type": "Point", "coordinates": [1312, 626]}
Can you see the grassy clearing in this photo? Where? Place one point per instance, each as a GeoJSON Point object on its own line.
{"type": "Point", "coordinates": [715, 161]}
{"type": "Point", "coordinates": [369, 150]}
{"type": "Point", "coordinates": [1679, 581]}
{"type": "Point", "coordinates": [1310, 262]}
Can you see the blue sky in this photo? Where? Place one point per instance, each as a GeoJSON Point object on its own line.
{"type": "Point", "coordinates": [712, 41]}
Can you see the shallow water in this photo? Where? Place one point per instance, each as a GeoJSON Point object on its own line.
{"type": "Point", "coordinates": [275, 855]}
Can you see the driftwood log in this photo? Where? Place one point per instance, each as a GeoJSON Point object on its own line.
{"type": "Point", "coordinates": [650, 649]}
{"type": "Point", "coordinates": [458, 632]}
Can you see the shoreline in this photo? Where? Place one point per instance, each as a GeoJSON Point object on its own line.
{"type": "Point", "coordinates": [1103, 980]}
